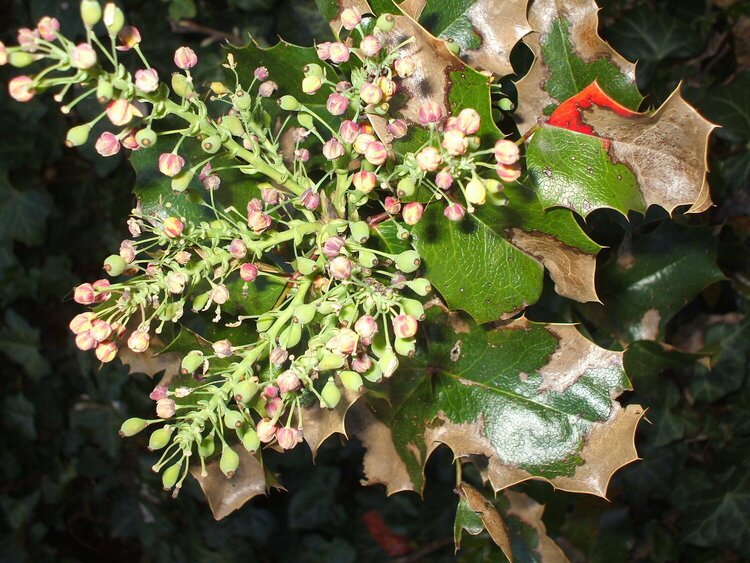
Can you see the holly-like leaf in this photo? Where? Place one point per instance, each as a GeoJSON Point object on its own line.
{"type": "Point", "coordinates": [529, 539]}
{"type": "Point", "coordinates": [620, 159]}
{"type": "Point", "coordinates": [651, 278]}
{"type": "Point", "coordinates": [474, 514]}
{"type": "Point", "coordinates": [320, 423]}
{"type": "Point", "coordinates": [570, 55]}
{"type": "Point", "coordinates": [491, 263]}
{"type": "Point", "coordinates": [532, 400]}
{"type": "Point", "coordinates": [485, 30]}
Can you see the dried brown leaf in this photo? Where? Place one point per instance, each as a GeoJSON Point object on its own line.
{"type": "Point", "coordinates": [530, 513]}
{"type": "Point", "coordinates": [320, 423]}
{"type": "Point", "coordinates": [152, 363]}
{"type": "Point", "coordinates": [493, 523]}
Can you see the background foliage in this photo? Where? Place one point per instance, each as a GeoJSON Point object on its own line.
{"type": "Point", "coordinates": [72, 490]}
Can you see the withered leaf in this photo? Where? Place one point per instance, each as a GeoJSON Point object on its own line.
{"type": "Point", "coordinates": [529, 513]}
{"type": "Point", "coordinates": [320, 423]}
{"type": "Point", "coordinates": [491, 519]}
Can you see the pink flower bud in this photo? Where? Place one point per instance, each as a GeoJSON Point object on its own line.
{"type": "Point", "coordinates": [342, 86]}
{"type": "Point", "coordinates": [85, 342]}
{"type": "Point", "coordinates": [430, 112]}
{"type": "Point", "coordinates": [219, 294]}
{"type": "Point", "coordinates": [299, 134]}
{"type": "Point", "coordinates": [21, 88]}
{"type": "Point", "coordinates": [146, 80]}
{"type": "Point", "coordinates": [173, 227]}
{"type": "Point", "coordinates": [337, 104]}
{"type": "Point", "coordinates": [405, 326]}
{"type": "Point", "coordinates": [159, 392]}
{"type": "Point", "coordinates": [254, 205]}
{"type": "Point", "coordinates": [138, 341]}
{"type": "Point", "coordinates": [310, 199]}
{"type": "Point", "coordinates": [261, 73]}
{"type": "Point", "coordinates": [165, 408]}
{"type": "Point", "coordinates": [129, 36]}
{"type": "Point", "coordinates": [376, 153]}
{"type": "Point", "coordinates": [451, 124]}
{"type": "Point", "coordinates": [211, 182]}
{"type": "Point", "coordinates": [288, 438]}
{"type": "Point", "coordinates": [365, 181]}
{"type": "Point", "coordinates": [454, 212]}
{"type": "Point", "coordinates": [81, 322]}
{"type": "Point", "coordinates": [278, 356]}
{"type": "Point", "coordinates": [405, 66]}
{"type": "Point", "coordinates": [397, 128]}
{"type": "Point", "coordinates": [468, 121]}
{"type": "Point", "coordinates": [288, 381]}
{"type": "Point", "coordinates": [508, 173]}
{"type": "Point", "coordinates": [248, 272]}
{"type": "Point", "coordinates": [127, 251]}
{"type": "Point", "coordinates": [47, 28]}
{"type": "Point", "coordinates": [237, 248]}
{"type": "Point", "coordinates": [270, 195]}
{"type": "Point", "coordinates": [350, 18]}
{"type": "Point", "coordinates": [340, 267]}
{"type": "Point", "coordinates": [338, 53]}
{"type": "Point", "coordinates": [370, 46]}
{"type": "Point", "coordinates": [370, 93]}
{"type": "Point", "coordinates": [134, 227]}
{"type": "Point", "coordinates": [412, 213]}
{"type": "Point", "coordinates": [170, 164]}
{"type": "Point", "coordinates": [323, 50]}
{"type": "Point", "coordinates": [455, 142]}
{"type": "Point", "coordinates": [266, 89]}
{"type": "Point", "coordinates": [128, 141]}
{"type": "Point", "coordinates": [392, 205]}
{"type": "Point", "coordinates": [27, 39]}
{"type": "Point", "coordinates": [346, 341]}
{"type": "Point", "coordinates": [311, 84]}
{"type": "Point", "coordinates": [3, 54]}
{"type": "Point", "coordinates": [444, 179]}
{"type": "Point", "coordinates": [106, 351]}
{"type": "Point", "coordinates": [266, 430]}
{"type": "Point", "coordinates": [258, 222]}
{"type": "Point", "coordinates": [176, 282]}
{"type": "Point", "coordinates": [107, 144]}
{"type": "Point", "coordinates": [83, 56]}
{"type": "Point", "coordinates": [185, 58]}
{"type": "Point", "coordinates": [100, 287]}
{"type": "Point", "coordinates": [121, 112]}
{"type": "Point", "coordinates": [332, 247]}
{"type": "Point", "coordinates": [270, 392]}
{"type": "Point", "coordinates": [100, 330]}
{"type": "Point", "coordinates": [362, 141]}
{"type": "Point", "coordinates": [333, 149]}
{"type": "Point", "coordinates": [84, 294]}
{"type": "Point", "coordinates": [429, 159]}
{"type": "Point", "coordinates": [302, 155]}
{"type": "Point", "coordinates": [506, 152]}
{"type": "Point", "coordinates": [366, 326]}
{"type": "Point", "coordinates": [361, 363]}
{"type": "Point", "coordinates": [222, 348]}
{"type": "Point", "coordinates": [182, 257]}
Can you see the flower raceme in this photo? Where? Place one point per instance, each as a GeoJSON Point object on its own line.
{"type": "Point", "coordinates": [346, 310]}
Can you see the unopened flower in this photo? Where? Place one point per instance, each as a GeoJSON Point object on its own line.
{"type": "Point", "coordinates": [278, 356]}
{"type": "Point", "coordinates": [85, 342]}
{"type": "Point", "coordinates": [349, 131]}
{"type": "Point", "coordinates": [258, 222]}
{"type": "Point", "coordinates": [310, 199]}
{"type": "Point", "coordinates": [81, 322]}
{"type": "Point", "coordinates": [302, 155]}
{"type": "Point", "coordinates": [476, 192]}
{"type": "Point", "coordinates": [129, 36]}
{"type": "Point", "coordinates": [365, 181]}
{"type": "Point", "coordinates": [21, 88]}
{"type": "Point", "coordinates": [288, 381]}
{"type": "Point", "coordinates": [100, 330]}
{"type": "Point", "coordinates": [182, 257]}
{"type": "Point", "coordinates": [350, 18]}
{"type": "Point", "coordinates": [392, 205]}
{"type": "Point", "coordinates": [127, 251]}
{"type": "Point", "coordinates": [84, 294]}
{"type": "Point", "coordinates": [370, 93]}
{"type": "Point", "coordinates": [146, 79]}
{"type": "Point", "coordinates": [405, 326]}
{"type": "Point", "coordinates": [159, 392]}
{"type": "Point", "coordinates": [211, 182]}
{"type": "Point", "coordinates": [468, 121]}
{"type": "Point", "coordinates": [173, 227]}
{"type": "Point", "coordinates": [170, 164]}
{"type": "Point", "coordinates": [176, 282]}
{"type": "Point", "coordinates": [121, 112]}
{"type": "Point", "coordinates": [366, 327]}
{"type": "Point", "coordinates": [311, 84]}
{"type": "Point", "coordinates": [3, 54]}
{"type": "Point", "coordinates": [508, 173]}
{"type": "Point", "coordinates": [248, 272]}
{"type": "Point", "coordinates": [219, 294]}
{"type": "Point", "coordinates": [165, 408]}
{"type": "Point", "coordinates": [261, 73]}
{"type": "Point", "coordinates": [323, 50]}
{"type": "Point", "coordinates": [338, 53]}
{"type": "Point", "coordinates": [106, 351]}
{"type": "Point", "coordinates": [397, 128]}
{"type": "Point", "coordinates": [333, 149]}
{"type": "Point", "coordinates": [455, 142]}
{"type": "Point", "coordinates": [387, 86]}
{"type": "Point", "coordinates": [337, 104]}
{"type": "Point", "coordinates": [362, 141]}
{"type": "Point", "coordinates": [344, 342]}
{"type": "Point", "coordinates": [222, 348]}
{"type": "Point", "coordinates": [429, 159]}
{"type": "Point", "coordinates": [237, 248]}
{"type": "Point", "coordinates": [266, 430]}
{"type": "Point", "coordinates": [412, 213]}
{"type": "Point", "coordinates": [27, 39]}
{"type": "Point", "coordinates": [100, 287]}
{"type": "Point", "coordinates": [444, 179]}
{"type": "Point", "coordinates": [361, 363]}
{"type": "Point", "coordinates": [47, 28]}
{"type": "Point", "coordinates": [343, 86]}
{"type": "Point", "coordinates": [128, 141]}
{"type": "Point", "coordinates": [185, 58]}
{"type": "Point", "coordinates": [340, 267]}
{"type": "Point", "coordinates": [376, 153]}
{"type": "Point", "coordinates": [370, 46]}
{"type": "Point", "coordinates": [430, 112]}
{"type": "Point", "coordinates": [288, 438]}
{"type": "Point", "coordinates": [299, 134]}
{"type": "Point", "coordinates": [254, 205]}
{"type": "Point", "coordinates": [138, 341]}
{"type": "Point", "coordinates": [454, 212]}
{"type": "Point", "coordinates": [107, 144]}
{"type": "Point", "coordinates": [405, 66]}
{"type": "Point", "coordinates": [333, 245]}
{"type": "Point", "coordinates": [506, 152]}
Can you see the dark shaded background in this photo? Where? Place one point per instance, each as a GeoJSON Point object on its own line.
{"type": "Point", "coordinates": [71, 490]}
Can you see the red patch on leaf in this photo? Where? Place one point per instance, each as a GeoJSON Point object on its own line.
{"type": "Point", "coordinates": [392, 543]}
{"type": "Point", "coordinates": [569, 114]}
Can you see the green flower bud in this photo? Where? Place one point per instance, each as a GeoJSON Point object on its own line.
{"type": "Point", "coordinates": [290, 336]}
{"type": "Point", "coordinates": [304, 313]}
{"type": "Point", "coordinates": [405, 347]}
{"type": "Point", "coordinates": [192, 361]}
{"type": "Point", "coordinates": [330, 393]}
{"type": "Point", "coordinates": [305, 266]}
{"type": "Point", "coordinates": [170, 475]}
{"type": "Point", "coordinates": [388, 363]}
{"type": "Point", "coordinates": [242, 100]}
{"type": "Point", "coordinates": [505, 104]}
{"type": "Point", "coordinates": [181, 182]}
{"type": "Point", "coordinates": [207, 447]}
{"type": "Point", "coordinates": [199, 301]}
{"type": "Point", "coordinates": [348, 314]}
{"type": "Point", "coordinates": [453, 47]}
{"type": "Point", "coordinates": [330, 361]}
{"type": "Point", "coordinates": [325, 308]}
{"type": "Point", "coordinates": [145, 137]}
{"type": "Point", "coordinates": [91, 13]}
{"type": "Point", "coordinates": [229, 461]}
{"type": "Point", "coordinates": [20, 59]}
{"type": "Point", "coordinates": [289, 103]}
{"type": "Point", "coordinates": [114, 265]}
{"type": "Point", "coordinates": [406, 187]}
{"type": "Point", "coordinates": [250, 440]}
{"type": "Point", "coordinates": [313, 69]}
{"type": "Point", "coordinates": [181, 86]}
{"type": "Point", "coordinates": [78, 135]}
{"type": "Point", "coordinates": [374, 374]}
{"type": "Point", "coordinates": [159, 438]}
{"type": "Point", "coordinates": [420, 286]}
{"type": "Point", "coordinates": [104, 91]}
{"type": "Point", "coordinates": [233, 124]}
{"type": "Point", "coordinates": [360, 231]}
{"type": "Point", "coordinates": [306, 120]}
{"type": "Point", "coordinates": [367, 259]}
{"type": "Point", "coordinates": [233, 419]}
{"type": "Point", "coordinates": [407, 261]}
{"type": "Point", "coordinates": [413, 307]}
{"type": "Point", "coordinates": [351, 380]}
{"type": "Point", "coordinates": [245, 390]}
{"type": "Point", "coordinates": [132, 426]}
{"type": "Point", "coordinates": [265, 322]}
{"type": "Point", "coordinates": [211, 144]}
{"type": "Point", "coordinates": [114, 19]}
{"type": "Point", "coordinates": [386, 22]}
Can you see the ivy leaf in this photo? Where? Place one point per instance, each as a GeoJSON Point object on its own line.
{"type": "Point", "coordinates": [570, 55]}
{"type": "Point", "coordinates": [491, 264]}
{"type": "Point", "coordinates": [474, 514]}
{"type": "Point", "coordinates": [620, 159]}
{"type": "Point", "coordinates": [651, 278]}
{"type": "Point", "coordinates": [530, 400]}
{"type": "Point", "coordinates": [485, 30]}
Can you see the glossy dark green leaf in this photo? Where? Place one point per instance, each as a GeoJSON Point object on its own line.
{"type": "Point", "coordinates": [729, 367]}
{"type": "Point", "coordinates": [23, 213]}
{"type": "Point", "coordinates": [20, 341]}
